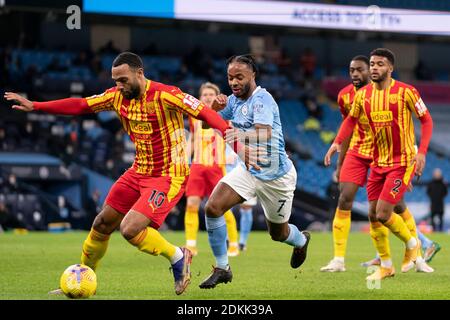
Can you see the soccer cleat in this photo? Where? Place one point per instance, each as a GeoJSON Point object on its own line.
{"type": "Point", "coordinates": [373, 262]}
{"type": "Point", "coordinates": [233, 251]}
{"type": "Point", "coordinates": [431, 251]}
{"type": "Point", "coordinates": [381, 273]}
{"type": "Point", "coordinates": [334, 266]}
{"type": "Point", "coordinates": [299, 254]}
{"type": "Point", "coordinates": [408, 265]}
{"type": "Point", "coordinates": [242, 247]}
{"type": "Point", "coordinates": [56, 292]}
{"type": "Point", "coordinates": [193, 250]}
{"type": "Point", "coordinates": [182, 271]}
{"type": "Point", "coordinates": [217, 276]}
{"type": "Point", "coordinates": [409, 260]}
{"type": "Point", "coordinates": [422, 266]}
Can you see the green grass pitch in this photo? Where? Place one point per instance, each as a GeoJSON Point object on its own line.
{"type": "Point", "coordinates": [32, 264]}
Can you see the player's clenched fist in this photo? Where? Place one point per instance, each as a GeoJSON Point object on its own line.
{"type": "Point", "coordinates": [220, 102]}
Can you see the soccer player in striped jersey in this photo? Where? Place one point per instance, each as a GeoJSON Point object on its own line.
{"type": "Point", "coordinates": [352, 168]}
{"type": "Point", "coordinates": [139, 201]}
{"type": "Point", "coordinates": [387, 105]}
{"type": "Point", "coordinates": [208, 167]}
{"type": "Point", "coordinates": [353, 163]}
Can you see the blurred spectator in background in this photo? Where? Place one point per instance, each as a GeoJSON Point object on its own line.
{"type": "Point", "coordinates": [7, 218]}
{"type": "Point", "coordinates": [109, 48]}
{"type": "Point", "coordinates": [437, 191]}
{"type": "Point", "coordinates": [422, 72]}
{"type": "Point", "coordinates": [83, 59]}
{"type": "Point", "coordinates": [314, 109]}
{"type": "Point", "coordinates": [12, 186]}
{"type": "Point", "coordinates": [3, 190]}
{"type": "Point", "coordinates": [94, 131]}
{"type": "Point", "coordinates": [283, 61]}
{"type": "Point", "coordinates": [63, 208]}
{"type": "Point", "coordinates": [97, 67]}
{"type": "Point", "coordinates": [11, 136]}
{"type": "Point", "coordinates": [56, 66]}
{"type": "Point", "coordinates": [3, 144]}
{"type": "Point", "coordinates": [308, 63]}
{"type": "Point", "coordinates": [5, 65]}
{"type": "Point", "coordinates": [72, 132]}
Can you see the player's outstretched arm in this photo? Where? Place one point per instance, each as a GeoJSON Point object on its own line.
{"type": "Point", "coordinates": [69, 106]}
{"type": "Point", "coordinates": [246, 153]}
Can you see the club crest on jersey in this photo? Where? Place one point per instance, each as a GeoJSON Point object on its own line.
{"type": "Point", "coordinates": [393, 98]}
{"type": "Point", "coordinates": [364, 120]}
{"type": "Point", "coordinates": [244, 110]}
{"type": "Point", "coordinates": [149, 107]}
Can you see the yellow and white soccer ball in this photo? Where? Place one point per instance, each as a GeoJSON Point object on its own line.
{"type": "Point", "coordinates": [78, 282]}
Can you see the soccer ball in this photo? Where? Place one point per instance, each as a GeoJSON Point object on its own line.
{"type": "Point", "coordinates": [78, 282]}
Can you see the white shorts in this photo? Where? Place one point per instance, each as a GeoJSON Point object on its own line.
{"type": "Point", "coordinates": [276, 196]}
{"type": "Point", "coordinates": [251, 202]}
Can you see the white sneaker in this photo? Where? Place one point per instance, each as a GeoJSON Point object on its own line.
{"type": "Point", "coordinates": [334, 266]}
{"type": "Point", "coordinates": [422, 266]}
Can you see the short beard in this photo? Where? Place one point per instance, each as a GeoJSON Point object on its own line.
{"type": "Point", "coordinates": [135, 92]}
{"type": "Point", "coordinates": [245, 90]}
{"type": "Point", "coordinates": [381, 78]}
{"type": "Point", "coordinates": [360, 85]}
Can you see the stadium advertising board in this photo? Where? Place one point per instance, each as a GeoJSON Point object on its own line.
{"type": "Point", "coordinates": [293, 14]}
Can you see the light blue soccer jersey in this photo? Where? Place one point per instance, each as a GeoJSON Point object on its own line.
{"type": "Point", "coordinates": [260, 108]}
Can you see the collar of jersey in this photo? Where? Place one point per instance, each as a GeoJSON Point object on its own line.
{"type": "Point", "coordinates": [253, 93]}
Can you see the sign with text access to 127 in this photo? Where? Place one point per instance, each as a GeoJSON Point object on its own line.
{"type": "Point", "coordinates": [281, 13]}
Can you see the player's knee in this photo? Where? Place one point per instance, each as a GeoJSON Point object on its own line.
{"type": "Point", "coordinates": [372, 216]}
{"type": "Point", "coordinates": [400, 208]}
{"type": "Point", "coordinates": [193, 203]}
{"type": "Point", "coordinates": [128, 231]}
{"type": "Point", "coordinates": [213, 210]}
{"type": "Point", "coordinates": [192, 207]}
{"type": "Point", "coordinates": [345, 200]}
{"type": "Point", "coordinates": [383, 215]}
{"type": "Point", "coordinates": [101, 225]}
